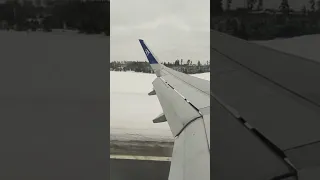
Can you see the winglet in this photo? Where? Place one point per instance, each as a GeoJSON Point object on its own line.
{"type": "Point", "coordinates": [150, 56]}
{"type": "Point", "coordinates": [152, 59]}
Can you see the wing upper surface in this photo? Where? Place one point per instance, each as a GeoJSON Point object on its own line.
{"type": "Point", "coordinates": [186, 106]}
{"type": "Point", "coordinates": [275, 98]}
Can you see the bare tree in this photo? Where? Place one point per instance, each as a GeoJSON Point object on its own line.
{"type": "Point", "coordinates": [284, 7]}
{"type": "Point", "coordinates": [304, 9]}
{"type": "Point", "coordinates": [251, 3]}
{"type": "Point", "coordinates": [228, 5]}
{"type": "Point", "coordinates": [260, 5]}
{"type": "Point", "coordinates": [312, 5]}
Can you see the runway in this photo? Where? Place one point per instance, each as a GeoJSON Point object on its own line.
{"type": "Point", "coordinates": [141, 148]}
{"type": "Point", "coordinates": [54, 103]}
{"type": "Point", "coordinates": [140, 160]}
{"type": "Point", "coordinates": [127, 168]}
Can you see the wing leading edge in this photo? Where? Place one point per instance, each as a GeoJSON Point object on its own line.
{"type": "Point", "coordinates": [185, 101]}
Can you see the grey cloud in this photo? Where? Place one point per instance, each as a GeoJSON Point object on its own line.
{"type": "Point", "coordinates": [172, 29]}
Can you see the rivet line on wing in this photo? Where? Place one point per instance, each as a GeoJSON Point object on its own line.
{"type": "Point", "coordinates": [194, 107]}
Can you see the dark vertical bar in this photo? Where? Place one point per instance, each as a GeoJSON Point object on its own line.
{"type": "Point", "coordinates": [54, 90]}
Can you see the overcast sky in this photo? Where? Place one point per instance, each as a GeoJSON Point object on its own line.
{"type": "Point", "coordinates": [173, 29]}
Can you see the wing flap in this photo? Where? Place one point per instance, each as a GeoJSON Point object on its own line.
{"type": "Point", "coordinates": [177, 111]}
{"type": "Point", "coordinates": [238, 152]}
{"type": "Point", "coordinates": [191, 156]}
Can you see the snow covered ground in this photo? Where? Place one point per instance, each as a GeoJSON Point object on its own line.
{"type": "Point", "coordinates": [303, 46]}
{"type": "Point", "coordinates": [132, 110]}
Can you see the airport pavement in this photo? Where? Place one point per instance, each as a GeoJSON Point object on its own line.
{"type": "Point", "coordinates": [145, 148]}
{"type": "Point", "coordinates": [129, 169]}
{"type": "Point", "coordinates": [54, 107]}
{"type": "Point", "coordinates": [140, 160]}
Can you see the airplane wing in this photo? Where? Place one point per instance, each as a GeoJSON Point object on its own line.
{"type": "Point", "coordinates": [185, 101]}
{"type": "Point", "coordinates": [266, 112]}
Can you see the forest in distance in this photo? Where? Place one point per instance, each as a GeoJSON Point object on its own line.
{"type": "Point", "coordinates": [89, 17]}
{"type": "Point", "coordinates": [187, 67]}
{"type": "Point", "coordinates": [253, 21]}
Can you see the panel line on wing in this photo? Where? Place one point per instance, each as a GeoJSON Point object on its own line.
{"type": "Point", "coordinates": [194, 107]}
{"type": "Point", "coordinates": [205, 110]}
{"type": "Point", "coordinates": [285, 176]}
{"type": "Point", "coordinates": [267, 78]}
{"type": "Point", "coordinates": [185, 126]}
{"type": "Point", "coordinates": [177, 111]}
{"type": "Point", "coordinates": [186, 82]}
{"type": "Point", "coordinates": [267, 142]}
{"type": "Point", "coordinates": [253, 130]}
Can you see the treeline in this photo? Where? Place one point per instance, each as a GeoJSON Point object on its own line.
{"type": "Point", "coordinates": [90, 17]}
{"type": "Point", "coordinates": [254, 22]}
{"type": "Point", "coordinates": [184, 63]}
{"type": "Point", "coordinates": [217, 9]}
{"type": "Point", "coordinates": [138, 66]}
